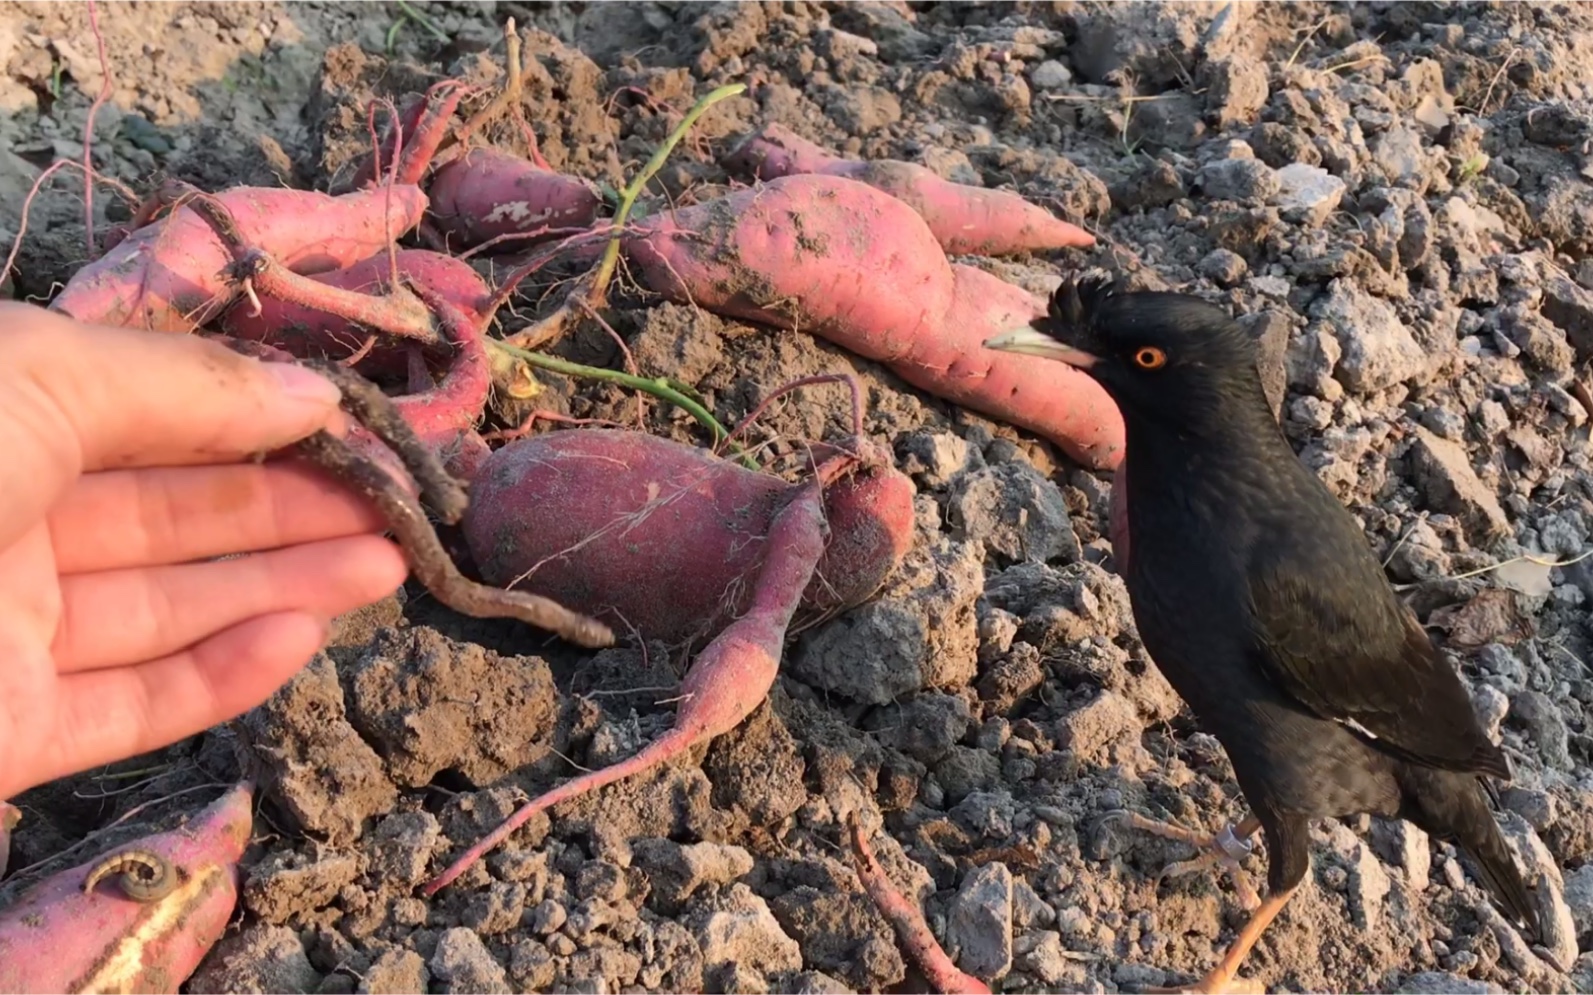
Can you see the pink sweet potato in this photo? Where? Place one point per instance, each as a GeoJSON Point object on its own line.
{"type": "Point", "coordinates": [664, 537]}
{"type": "Point", "coordinates": [60, 938]}
{"type": "Point", "coordinates": [484, 194]}
{"type": "Point", "coordinates": [170, 275]}
{"type": "Point", "coordinates": [727, 681]}
{"type": "Point", "coordinates": [309, 332]}
{"type": "Point", "coordinates": [965, 219]}
{"type": "Point", "coordinates": [851, 264]}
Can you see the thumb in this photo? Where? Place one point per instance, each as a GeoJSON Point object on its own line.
{"type": "Point", "coordinates": [76, 398]}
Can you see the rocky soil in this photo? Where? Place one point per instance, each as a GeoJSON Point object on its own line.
{"type": "Point", "coordinates": [1398, 197]}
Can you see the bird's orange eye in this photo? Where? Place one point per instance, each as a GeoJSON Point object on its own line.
{"type": "Point", "coordinates": [1150, 358]}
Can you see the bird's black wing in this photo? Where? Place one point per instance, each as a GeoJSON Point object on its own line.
{"type": "Point", "coordinates": [1334, 636]}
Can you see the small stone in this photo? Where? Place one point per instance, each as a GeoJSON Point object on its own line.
{"type": "Point", "coordinates": [401, 846]}
{"type": "Point", "coordinates": [1545, 727]}
{"type": "Point", "coordinates": [1441, 983]}
{"type": "Point", "coordinates": [1103, 722]}
{"type": "Point", "coordinates": [985, 813]}
{"type": "Point", "coordinates": [1378, 350]}
{"type": "Point", "coordinates": [1368, 886]}
{"type": "Point", "coordinates": [1405, 846]}
{"type": "Point", "coordinates": [1571, 308]}
{"type": "Point", "coordinates": [1308, 195]}
{"type": "Point", "coordinates": [1236, 90]}
{"type": "Point", "coordinates": [1028, 908]}
{"type": "Point", "coordinates": [1155, 184]}
{"type": "Point", "coordinates": [1535, 805]}
{"type": "Point", "coordinates": [547, 916]}
{"type": "Point", "coordinates": [1399, 154]}
{"type": "Point", "coordinates": [1448, 483]}
{"type": "Point", "coordinates": [979, 921]}
{"type": "Point", "coordinates": [925, 726]}
{"type": "Point", "coordinates": [1223, 267]}
{"type": "Point", "coordinates": [1242, 180]}
{"type": "Point", "coordinates": [260, 959]}
{"type": "Point", "coordinates": [677, 871]}
{"type": "Point", "coordinates": [1579, 897]}
{"type": "Point", "coordinates": [395, 972]}
{"type": "Point", "coordinates": [1051, 75]}
{"type": "Point", "coordinates": [1046, 962]}
{"type": "Point", "coordinates": [1015, 512]}
{"type": "Point", "coordinates": [934, 458]}
{"type": "Point", "coordinates": [736, 927]}
{"type": "Point", "coordinates": [463, 963]}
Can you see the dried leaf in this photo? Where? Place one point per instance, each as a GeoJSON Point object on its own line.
{"type": "Point", "coordinates": [1493, 616]}
{"type": "Point", "coordinates": [1526, 576]}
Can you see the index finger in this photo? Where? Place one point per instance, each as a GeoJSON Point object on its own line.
{"type": "Point", "coordinates": [76, 398]}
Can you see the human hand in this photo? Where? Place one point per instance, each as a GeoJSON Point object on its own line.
{"type": "Point", "coordinates": [124, 464]}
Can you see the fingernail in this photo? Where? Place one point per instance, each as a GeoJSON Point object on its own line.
{"type": "Point", "coordinates": [302, 384]}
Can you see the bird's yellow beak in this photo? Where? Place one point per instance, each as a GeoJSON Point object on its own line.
{"type": "Point", "coordinates": [1028, 342]}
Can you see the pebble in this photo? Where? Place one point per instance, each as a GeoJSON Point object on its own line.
{"type": "Point", "coordinates": [738, 928]}
{"type": "Point", "coordinates": [395, 972]}
{"type": "Point", "coordinates": [979, 922]}
{"type": "Point", "coordinates": [1051, 75]}
{"type": "Point", "coordinates": [463, 963]}
{"type": "Point", "coordinates": [1444, 475]}
{"type": "Point", "coordinates": [1308, 195]}
{"type": "Point", "coordinates": [1245, 180]}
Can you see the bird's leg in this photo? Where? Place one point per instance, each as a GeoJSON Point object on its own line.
{"type": "Point", "coordinates": [1226, 849]}
{"type": "Point", "coordinates": [1224, 978]}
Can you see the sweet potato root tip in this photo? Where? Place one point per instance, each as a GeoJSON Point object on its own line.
{"type": "Point", "coordinates": [729, 679]}
{"type": "Point", "coordinates": [965, 219]}
{"type": "Point", "coordinates": [56, 936]}
{"type": "Point", "coordinates": [911, 929]}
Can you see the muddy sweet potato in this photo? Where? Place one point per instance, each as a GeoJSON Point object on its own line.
{"type": "Point", "coordinates": [666, 537]}
{"type": "Point", "coordinates": [483, 194]}
{"type": "Point", "coordinates": [854, 265]}
{"type": "Point", "coordinates": [727, 681]}
{"type": "Point", "coordinates": [155, 908]}
{"type": "Point", "coordinates": [171, 275]}
{"type": "Point", "coordinates": [965, 219]}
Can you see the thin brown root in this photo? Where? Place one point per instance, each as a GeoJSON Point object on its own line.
{"type": "Point", "coordinates": [846, 378]}
{"type": "Point", "coordinates": [88, 128]}
{"type": "Point", "coordinates": [430, 562]}
{"type": "Point", "coordinates": [625, 350]}
{"type": "Point", "coordinates": [525, 427]}
{"type": "Point", "coordinates": [908, 921]}
{"type": "Point", "coordinates": [512, 89]}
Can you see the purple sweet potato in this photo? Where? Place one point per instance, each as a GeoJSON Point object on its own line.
{"type": "Point", "coordinates": [965, 219]}
{"type": "Point", "coordinates": [727, 681]}
{"type": "Point", "coordinates": [665, 537]}
{"type": "Point", "coordinates": [483, 194]}
{"type": "Point", "coordinates": [128, 933]}
{"type": "Point", "coordinates": [854, 265]}
{"type": "Point", "coordinates": [171, 274]}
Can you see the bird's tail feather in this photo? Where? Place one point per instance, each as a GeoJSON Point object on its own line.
{"type": "Point", "coordinates": [1453, 807]}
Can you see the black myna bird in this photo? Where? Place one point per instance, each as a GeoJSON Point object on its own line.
{"type": "Point", "coordinates": [1260, 600]}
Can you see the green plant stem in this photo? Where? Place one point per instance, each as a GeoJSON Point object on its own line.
{"type": "Point", "coordinates": [659, 388]}
{"type": "Point", "coordinates": [423, 21]}
{"type": "Point", "coordinates": [605, 269]}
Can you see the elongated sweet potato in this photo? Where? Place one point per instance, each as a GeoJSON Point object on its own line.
{"type": "Point", "coordinates": [485, 194]}
{"type": "Point", "coordinates": [854, 265]}
{"type": "Point", "coordinates": [171, 274]}
{"type": "Point", "coordinates": [150, 912]}
{"type": "Point", "coordinates": [965, 219]}
{"type": "Point", "coordinates": [666, 537]}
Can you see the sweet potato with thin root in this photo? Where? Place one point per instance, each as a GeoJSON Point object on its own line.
{"type": "Point", "coordinates": [854, 265]}
{"type": "Point", "coordinates": [726, 682]}
{"type": "Point", "coordinates": [137, 919]}
{"type": "Point", "coordinates": [172, 275]}
{"type": "Point", "coordinates": [663, 537]}
{"type": "Point", "coordinates": [965, 219]}
{"type": "Point", "coordinates": [307, 331]}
